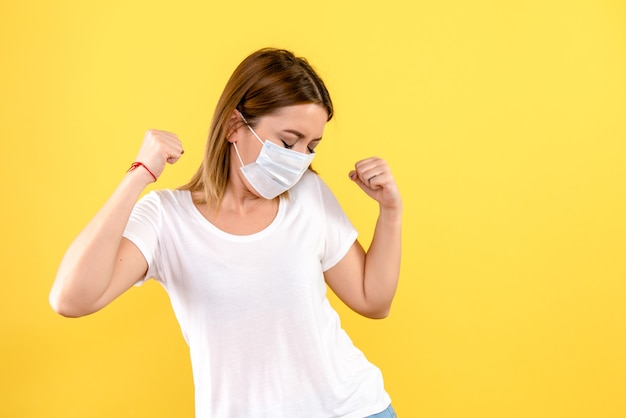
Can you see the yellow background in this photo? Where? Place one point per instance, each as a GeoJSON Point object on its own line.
{"type": "Point", "coordinates": [505, 127]}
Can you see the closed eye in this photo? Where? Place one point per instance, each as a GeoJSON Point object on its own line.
{"type": "Point", "coordinates": [286, 145]}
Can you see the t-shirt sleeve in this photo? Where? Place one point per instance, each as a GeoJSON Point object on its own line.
{"type": "Point", "coordinates": [143, 231]}
{"type": "Point", "coordinates": [339, 232]}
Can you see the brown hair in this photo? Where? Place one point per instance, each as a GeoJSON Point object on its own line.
{"type": "Point", "coordinates": [264, 82]}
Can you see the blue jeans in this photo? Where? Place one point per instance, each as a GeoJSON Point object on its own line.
{"type": "Point", "coordinates": [387, 413]}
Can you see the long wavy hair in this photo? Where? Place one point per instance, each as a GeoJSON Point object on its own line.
{"type": "Point", "coordinates": [264, 82]}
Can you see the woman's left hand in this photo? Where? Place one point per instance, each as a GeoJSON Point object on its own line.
{"type": "Point", "coordinates": [374, 176]}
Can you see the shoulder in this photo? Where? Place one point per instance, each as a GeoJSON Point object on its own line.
{"type": "Point", "coordinates": [166, 199]}
{"type": "Point", "coordinates": [310, 182]}
{"type": "Point", "coordinates": [313, 190]}
{"type": "Point", "coordinates": [164, 208]}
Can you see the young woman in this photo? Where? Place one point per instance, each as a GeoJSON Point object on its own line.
{"type": "Point", "coordinates": [245, 251]}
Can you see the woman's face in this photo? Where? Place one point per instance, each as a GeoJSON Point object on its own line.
{"type": "Point", "coordinates": [298, 127]}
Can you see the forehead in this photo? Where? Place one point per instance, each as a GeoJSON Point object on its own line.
{"type": "Point", "coordinates": [309, 119]}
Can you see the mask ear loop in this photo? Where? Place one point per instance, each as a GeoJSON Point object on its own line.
{"type": "Point", "coordinates": [250, 127]}
{"type": "Point", "coordinates": [241, 115]}
{"type": "Point", "coordinates": [234, 143]}
{"type": "Point", "coordinates": [238, 155]}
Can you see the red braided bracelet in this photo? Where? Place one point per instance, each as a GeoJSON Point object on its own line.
{"type": "Point", "coordinates": [137, 164]}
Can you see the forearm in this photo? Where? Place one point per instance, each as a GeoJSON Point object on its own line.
{"type": "Point", "coordinates": [382, 262]}
{"type": "Point", "coordinates": [87, 267]}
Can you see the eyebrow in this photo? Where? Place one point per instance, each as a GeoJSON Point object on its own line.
{"type": "Point", "coordinates": [300, 135]}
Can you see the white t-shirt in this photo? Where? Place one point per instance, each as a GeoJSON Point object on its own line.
{"type": "Point", "coordinates": [264, 339]}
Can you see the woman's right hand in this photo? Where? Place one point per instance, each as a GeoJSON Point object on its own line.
{"type": "Point", "coordinates": [158, 148]}
{"type": "Point", "coordinates": [101, 264]}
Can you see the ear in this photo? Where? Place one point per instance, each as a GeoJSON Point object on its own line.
{"type": "Point", "coordinates": [234, 123]}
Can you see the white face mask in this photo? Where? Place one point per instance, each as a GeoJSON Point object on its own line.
{"type": "Point", "coordinates": [276, 169]}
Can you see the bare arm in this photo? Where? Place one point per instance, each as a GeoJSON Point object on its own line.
{"type": "Point", "coordinates": [100, 264]}
{"type": "Point", "coordinates": [367, 282]}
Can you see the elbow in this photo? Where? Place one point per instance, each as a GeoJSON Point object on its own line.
{"type": "Point", "coordinates": [383, 315]}
{"type": "Point", "coordinates": [62, 308]}
{"type": "Point", "coordinates": [65, 307]}
{"type": "Point", "coordinates": [375, 313]}
{"type": "Point", "coordinates": [68, 311]}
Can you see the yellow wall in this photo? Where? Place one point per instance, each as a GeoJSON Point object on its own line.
{"type": "Point", "coordinates": [504, 124]}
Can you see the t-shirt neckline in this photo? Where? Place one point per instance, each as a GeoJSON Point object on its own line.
{"type": "Point", "coordinates": [282, 203]}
